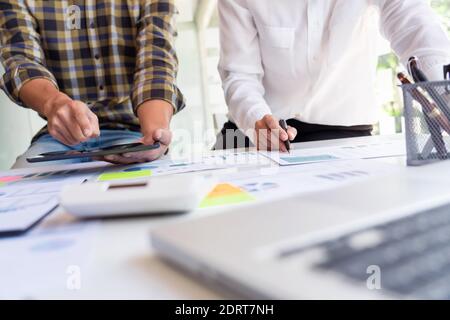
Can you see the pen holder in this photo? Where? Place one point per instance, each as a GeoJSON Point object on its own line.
{"type": "Point", "coordinates": [427, 120]}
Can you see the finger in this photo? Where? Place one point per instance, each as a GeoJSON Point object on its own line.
{"type": "Point", "coordinates": [263, 146]}
{"type": "Point", "coordinates": [65, 122]}
{"type": "Point", "coordinates": [73, 129]}
{"type": "Point", "coordinates": [118, 159]}
{"type": "Point", "coordinates": [282, 134]}
{"type": "Point", "coordinates": [263, 140]}
{"type": "Point", "coordinates": [62, 123]}
{"type": "Point", "coordinates": [147, 156]}
{"type": "Point", "coordinates": [274, 125]}
{"type": "Point", "coordinates": [282, 146]}
{"type": "Point", "coordinates": [292, 133]}
{"type": "Point", "coordinates": [58, 128]}
{"type": "Point", "coordinates": [58, 136]}
{"type": "Point", "coordinates": [94, 124]}
{"type": "Point", "coordinates": [274, 140]}
{"type": "Point", "coordinates": [148, 139]}
{"type": "Point", "coordinates": [276, 143]}
{"type": "Point", "coordinates": [70, 140]}
{"type": "Point", "coordinates": [270, 140]}
{"type": "Point", "coordinates": [80, 111]}
{"type": "Point", "coordinates": [98, 158]}
{"type": "Point", "coordinates": [162, 136]}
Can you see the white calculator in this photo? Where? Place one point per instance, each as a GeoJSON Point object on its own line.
{"type": "Point", "coordinates": [151, 196]}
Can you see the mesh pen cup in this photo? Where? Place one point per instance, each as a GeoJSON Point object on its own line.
{"type": "Point", "coordinates": [427, 122]}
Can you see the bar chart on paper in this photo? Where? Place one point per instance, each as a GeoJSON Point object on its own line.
{"type": "Point", "coordinates": [346, 152]}
{"type": "Point", "coordinates": [287, 181]}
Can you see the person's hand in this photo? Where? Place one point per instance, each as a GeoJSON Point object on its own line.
{"type": "Point", "coordinates": [270, 136]}
{"type": "Point", "coordinates": [70, 122]}
{"type": "Point", "coordinates": [154, 117]}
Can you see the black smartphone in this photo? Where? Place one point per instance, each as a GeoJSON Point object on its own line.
{"type": "Point", "coordinates": [93, 153]}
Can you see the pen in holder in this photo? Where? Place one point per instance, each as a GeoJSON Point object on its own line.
{"type": "Point", "coordinates": [427, 120]}
{"type": "Point", "coordinates": [447, 77]}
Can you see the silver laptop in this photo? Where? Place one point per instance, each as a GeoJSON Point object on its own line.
{"type": "Point", "coordinates": [379, 239]}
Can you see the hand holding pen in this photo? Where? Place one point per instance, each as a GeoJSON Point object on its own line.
{"type": "Point", "coordinates": [287, 143]}
{"type": "Point", "coordinates": [271, 136]}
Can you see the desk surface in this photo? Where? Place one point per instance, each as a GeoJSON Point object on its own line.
{"type": "Point", "coordinates": [118, 260]}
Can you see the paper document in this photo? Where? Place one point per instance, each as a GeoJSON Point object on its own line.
{"type": "Point", "coordinates": [47, 263]}
{"type": "Point", "coordinates": [215, 161]}
{"type": "Point", "coordinates": [27, 198]}
{"type": "Point", "coordinates": [347, 152]}
{"type": "Point", "coordinates": [288, 181]}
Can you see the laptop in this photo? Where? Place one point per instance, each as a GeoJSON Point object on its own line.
{"type": "Point", "coordinates": [384, 238]}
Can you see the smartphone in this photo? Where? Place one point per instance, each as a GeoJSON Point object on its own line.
{"type": "Point", "coordinates": [93, 153]}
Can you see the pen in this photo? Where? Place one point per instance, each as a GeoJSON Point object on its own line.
{"type": "Point", "coordinates": [430, 108]}
{"type": "Point", "coordinates": [419, 77]}
{"type": "Point", "coordinates": [283, 126]}
{"type": "Point", "coordinates": [431, 114]}
{"type": "Point", "coordinates": [447, 77]}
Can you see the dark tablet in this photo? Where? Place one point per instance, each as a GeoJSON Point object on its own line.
{"type": "Point", "coordinates": [93, 153]}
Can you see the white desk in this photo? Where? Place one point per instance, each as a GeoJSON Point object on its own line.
{"type": "Point", "coordinates": [121, 263]}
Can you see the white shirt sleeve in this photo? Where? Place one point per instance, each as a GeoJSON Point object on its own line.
{"type": "Point", "coordinates": [413, 29]}
{"type": "Point", "coordinates": [240, 65]}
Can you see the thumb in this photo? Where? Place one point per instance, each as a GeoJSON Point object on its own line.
{"type": "Point", "coordinates": [159, 135]}
{"type": "Point", "coordinates": [163, 136]}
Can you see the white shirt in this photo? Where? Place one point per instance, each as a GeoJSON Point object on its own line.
{"type": "Point", "coordinates": [315, 60]}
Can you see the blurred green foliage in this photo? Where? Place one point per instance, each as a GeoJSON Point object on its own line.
{"type": "Point", "coordinates": [443, 8]}
{"type": "Point", "coordinates": [391, 62]}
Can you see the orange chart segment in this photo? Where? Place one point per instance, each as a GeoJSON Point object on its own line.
{"type": "Point", "coordinates": [226, 194]}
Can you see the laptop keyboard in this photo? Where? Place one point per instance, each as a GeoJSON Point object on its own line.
{"type": "Point", "coordinates": [413, 254]}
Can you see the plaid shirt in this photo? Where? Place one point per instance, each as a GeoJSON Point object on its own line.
{"type": "Point", "coordinates": [112, 54]}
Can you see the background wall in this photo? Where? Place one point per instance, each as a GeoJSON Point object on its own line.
{"type": "Point", "coordinates": [198, 51]}
{"type": "Point", "coordinates": [17, 126]}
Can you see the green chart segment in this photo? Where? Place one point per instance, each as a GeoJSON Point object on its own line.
{"type": "Point", "coordinates": [125, 175]}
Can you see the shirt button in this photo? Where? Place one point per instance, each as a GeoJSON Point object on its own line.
{"type": "Point", "coordinates": [92, 25]}
{"type": "Point", "coordinates": [101, 87]}
{"type": "Point", "coordinates": [97, 56]}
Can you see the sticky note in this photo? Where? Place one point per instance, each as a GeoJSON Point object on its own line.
{"type": "Point", "coordinates": [124, 175]}
{"type": "Point", "coordinates": [226, 194]}
{"type": "Point", "coordinates": [10, 179]}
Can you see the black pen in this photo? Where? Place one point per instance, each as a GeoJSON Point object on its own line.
{"type": "Point", "coordinates": [447, 77]}
{"type": "Point", "coordinates": [419, 77]}
{"type": "Point", "coordinates": [283, 126]}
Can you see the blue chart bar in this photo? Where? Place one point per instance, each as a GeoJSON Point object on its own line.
{"type": "Point", "coordinates": [325, 157]}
